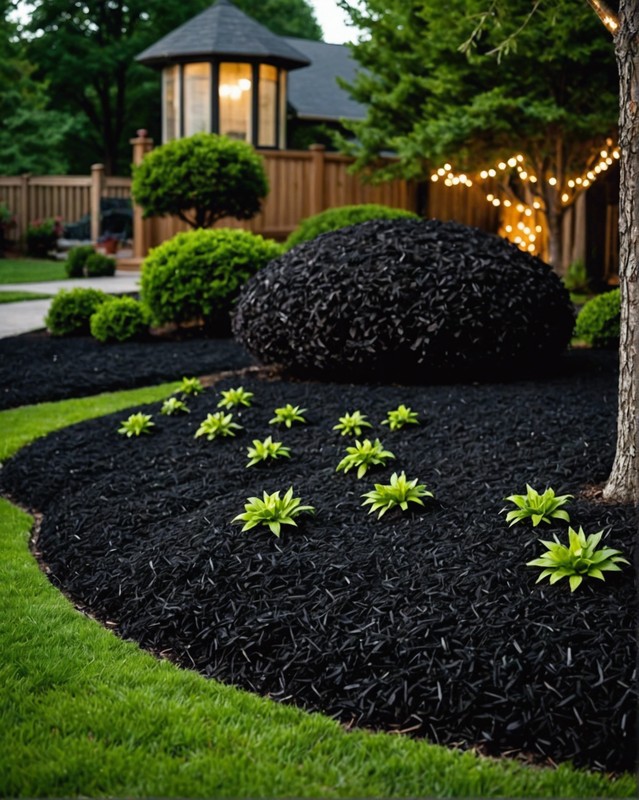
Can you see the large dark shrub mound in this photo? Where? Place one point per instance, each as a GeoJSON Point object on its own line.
{"type": "Point", "coordinates": [405, 298]}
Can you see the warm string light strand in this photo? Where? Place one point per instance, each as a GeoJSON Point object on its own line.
{"type": "Point", "coordinates": [526, 231]}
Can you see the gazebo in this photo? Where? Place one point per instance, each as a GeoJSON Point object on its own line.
{"type": "Point", "coordinates": [222, 72]}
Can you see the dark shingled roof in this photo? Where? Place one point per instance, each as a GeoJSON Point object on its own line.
{"type": "Point", "coordinates": [314, 92]}
{"type": "Point", "coordinates": [222, 29]}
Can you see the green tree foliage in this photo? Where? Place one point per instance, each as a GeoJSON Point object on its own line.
{"type": "Point", "coordinates": [553, 97]}
{"type": "Point", "coordinates": [201, 179]}
{"type": "Point", "coordinates": [30, 133]}
{"type": "Point", "coordinates": [86, 52]}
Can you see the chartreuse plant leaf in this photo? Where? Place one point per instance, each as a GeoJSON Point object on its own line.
{"type": "Point", "coordinates": [218, 424]}
{"type": "Point", "coordinates": [173, 406]}
{"type": "Point", "coordinates": [266, 449]}
{"type": "Point", "coordinates": [364, 455]}
{"type": "Point", "coordinates": [399, 492]}
{"type": "Point", "coordinates": [352, 424]}
{"type": "Point", "coordinates": [272, 510]}
{"type": "Point", "coordinates": [579, 560]}
{"type": "Point", "coordinates": [400, 416]}
{"type": "Point", "coordinates": [190, 386]}
{"type": "Point", "coordinates": [231, 398]}
{"type": "Point", "coordinates": [136, 424]}
{"type": "Point", "coordinates": [287, 415]}
{"type": "Point", "coordinates": [539, 507]}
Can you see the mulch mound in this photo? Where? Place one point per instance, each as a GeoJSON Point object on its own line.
{"type": "Point", "coordinates": [428, 622]}
{"type": "Point", "coordinates": [37, 367]}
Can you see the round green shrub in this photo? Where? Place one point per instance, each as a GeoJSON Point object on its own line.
{"type": "Point", "coordinates": [598, 322]}
{"type": "Point", "coordinates": [98, 265]}
{"type": "Point", "coordinates": [201, 179]}
{"type": "Point", "coordinates": [335, 218]}
{"type": "Point", "coordinates": [198, 274]}
{"type": "Point", "coordinates": [121, 319]}
{"type": "Point", "coordinates": [71, 310]}
{"type": "Point", "coordinates": [77, 259]}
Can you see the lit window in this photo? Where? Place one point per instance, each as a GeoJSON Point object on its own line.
{"type": "Point", "coordinates": [171, 103]}
{"type": "Point", "coordinates": [235, 101]}
{"type": "Point", "coordinates": [267, 106]}
{"type": "Point", "coordinates": [197, 98]}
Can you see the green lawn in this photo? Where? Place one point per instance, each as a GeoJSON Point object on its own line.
{"type": "Point", "coordinates": [84, 713]}
{"type": "Point", "coordinates": [29, 270]}
{"type": "Point", "coordinates": [17, 297]}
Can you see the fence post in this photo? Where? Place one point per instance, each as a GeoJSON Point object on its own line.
{"type": "Point", "coordinates": [97, 184]}
{"type": "Point", "coordinates": [141, 233]}
{"type": "Point", "coordinates": [23, 219]}
{"type": "Point", "coordinates": [316, 183]}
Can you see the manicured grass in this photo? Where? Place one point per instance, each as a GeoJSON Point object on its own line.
{"type": "Point", "coordinates": [18, 297]}
{"type": "Point", "coordinates": [29, 270]}
{"type": "Point", "coordinates": [84, 713]}
{"type": "Point", "coordinates": [19, 426]}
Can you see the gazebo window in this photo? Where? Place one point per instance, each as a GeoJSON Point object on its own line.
{"type": "Point", "coordinates": [171, 104]}
{"type": "Point", "coordinates": [235, 100]}
{"type": "Point", "coordinates": [197, 98]}
{"type": "Point", "coordinates": [267, 107]}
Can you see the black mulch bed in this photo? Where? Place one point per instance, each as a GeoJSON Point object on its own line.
{"type": "Point", "coordinates": [38, 367]}
{"type": "Point", "coordinates": [428, 622]}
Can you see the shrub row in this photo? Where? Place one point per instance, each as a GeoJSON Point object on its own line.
{"type": "Point", "coordinates": [83, 261]}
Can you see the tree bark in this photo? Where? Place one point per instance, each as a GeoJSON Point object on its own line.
{"type": "Point", "coordinates": [623, 483]}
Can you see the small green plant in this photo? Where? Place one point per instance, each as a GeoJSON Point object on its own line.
{"type": "Point", "coordinates": [598, 323]}
{"type": "Point", "coordinates": [173, 406]}
{"type": "Point", "coordinates": [190, 386]}
{"type": "Point", "coordinates": [539, 507]}
{"type": "Point", "coordinates": [136, 424]}
{"type": "Point", "coordinates": [272, 511]}
{"type": "Point", "coordinates": [579, 560]}
{"type": "Point", "coordinates": [266, 449]}
{"type": "Point", "coordinates": [218, 424]}
{"type": "Point", "coordinates": [352, 424]}
{"type": "Point", "coordinates": [231, 398]}
{"type": "Point", "coordinates": [287, 415]}
{"type": "Point", "coordinates": [71, 310]}
{"type": "Point", "coordinates": [399, 492]}
{"type": "Point", "coordinates": [98, 265]}
{"type": "Point", "coordinates": [364, 455]}
{"type": "Point", "coordinates": [119, 320]}
{"type": "Point", "coordinates": [76, 260]}
{"type": "Point", "coordinates": [399, 417]}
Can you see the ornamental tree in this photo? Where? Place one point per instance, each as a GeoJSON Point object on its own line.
{"type": "Point", "coordinates": [201, 179]}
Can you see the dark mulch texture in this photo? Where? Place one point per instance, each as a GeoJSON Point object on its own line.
{"type": "Point", "coordinates": [38, 367]}
{"type": "Point", "coordinates": [428, 622]}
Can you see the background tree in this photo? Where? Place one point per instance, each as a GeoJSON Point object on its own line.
{"type": "Point", "coordinates": [431, 102]}
{"type": "Point", "coordinates": [86, 53]}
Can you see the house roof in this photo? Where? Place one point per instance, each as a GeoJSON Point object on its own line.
{"type": "Point", "coordinates": [314, 92]}
{"type": "Point", "coordinates": [222, 29]}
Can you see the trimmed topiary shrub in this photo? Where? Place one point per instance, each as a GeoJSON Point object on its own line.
{"type": "Point", "coordinates": [405, 299]}
{"type": "Point", "coordinates": [197, 275]}
{"type": "Point", "coordinates": [77, 259]}
{"type": "Point", "coordinates": [334, 218]}
{"type": "Point", "coordinates": [99, 266]}
{"type": "Point", "coordinates": [118, 320]}
{"type": "Point", "coordinates": [71, 310]}
{"type": "Point", "coordinates": [201, 179]}
{"type": "Point", "coordinates": [599, 320]}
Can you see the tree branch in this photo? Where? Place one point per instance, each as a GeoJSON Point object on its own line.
{"type": "Point", "coordinates": [606, 14]}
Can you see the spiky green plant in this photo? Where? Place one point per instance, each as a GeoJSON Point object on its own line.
{"type": "Point", "coordinates": [136, 424]}
{"type": "Point", "coordinates": [231, 398]}
{"type": "Point", "coordinates": [538, 507]}
{"type": "Point", "coordinates": [218, 424]}
{"type": "Point", "coordinates": [287, 415]}
{"type": "Point", "coordinates": [364, 455]}
{"type": "Point", "coordinates": [190, 386]}
{"type": "Point", "coordinates": [352, 424]}
{"type": "Point", "coordinates": [400, 416]}
{"type": "Point", "coordinates": [399, 492]}
{"type": "Point", "coordinates": [262, 450]}
{"type": "Point", "coordinates": [272, 510]}
{"type": "Point", "coordinates": [173, 406]}
{"type": "Point", "coordinates": [579, 560]}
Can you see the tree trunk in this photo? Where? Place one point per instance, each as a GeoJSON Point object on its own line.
{"type": "Point", "coordinates": [555, 239]}
{"type": "Point", "coordinates": [623, 483]}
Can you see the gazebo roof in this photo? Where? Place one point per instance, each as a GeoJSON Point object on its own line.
{"type": "Point", "coordinates": [222, 30]}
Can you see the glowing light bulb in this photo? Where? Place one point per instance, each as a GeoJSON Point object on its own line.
{"type": "Point", "coordinates": [578, 181]}
{"type": "Point", "coordinates": [448, 182]}
{"type": "Point", "coordinates": [447, 167]}
{"type": "Point", "coordinates": [520, 208]}
{"type": "Point", "coordinates": [536, 204]}
{"type": "Point", "coordinates": [590, 176]}
{"type": "Point", "coordinates": [615, 154]}
{"type": "Point", "coordinates": [490, 197]}
{"type": "Point", "coordinates": [609, 161]}
{"type": "Point", "coordinates": [604, 154]}
{"type": "Point", "coordinates": [532, 237]}
{"type": "Point", "coordinates": [538, 228]}
{"type": "Point", "coordinates": [565, 198]}
{"type": "Point", "coordinates": [462, 178]}
{"type": "Point", "coordinates": [571, 183]}
{"type": "Point", "coordinates": [434, 178]}
{"type": "Point", "coordinates": [520, 226]}
{"type": "Point", "coordinates": [455, 181]}
{"type": "Point", "coordinates": [531, 248]}
{"type": "Point", "coordinates": [244, 84]}
{"type": "Point", "coordinates": [496, 202]}
{"type": "Point", "coordinates": [441, 171]}
{"type": "Point", "coordinates": [492, 173]}
{"type": "Point", "coordinates": [483, 174]}
{"type": "Point", "coordinates": [552, 181]}
{"type": "Point", "coordinates": [512, 162]}
{"type": "Point", "coordinates": [507, 203]}
{"type": "Point", "coordinates": [533, 179]}
{"type": "Point", "coordinates": [586, 182]}
{"type": "Point", "coordinates": [517, 239]}
{"type": "Point", "coordinates": [502, 165]}
{"type": "Point", "coordinates": [523, 174]}
{"type": "Point", "coordinates": [528, 212]}
{"type": "Point", "coordinates": [519, 157]}
{"type": "Point", "coordinates": [508, 228]}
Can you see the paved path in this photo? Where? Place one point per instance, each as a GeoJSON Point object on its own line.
{"type": "Point", "coordinates": [16, 318]}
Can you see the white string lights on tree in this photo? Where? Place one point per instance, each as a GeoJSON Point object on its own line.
{"type": "Point", "coordinates": [524, 229]}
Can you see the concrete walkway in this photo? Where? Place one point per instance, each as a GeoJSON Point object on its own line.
{"type": "Point", "coordinates": [17, 318]}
